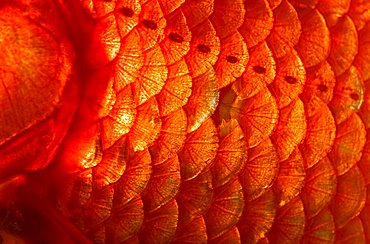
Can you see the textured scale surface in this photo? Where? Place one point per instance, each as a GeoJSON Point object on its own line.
{"type": "Point", "coordinates": [184, 121]}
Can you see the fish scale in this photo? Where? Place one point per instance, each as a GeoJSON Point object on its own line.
{"type": "Point", "coordinates": [226, 121]}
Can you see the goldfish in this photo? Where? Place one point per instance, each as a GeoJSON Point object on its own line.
{"type": "Point", "coordinates": [184, 121]}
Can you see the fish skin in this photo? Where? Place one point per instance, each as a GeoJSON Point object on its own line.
{"type": "Point", "coordinates": [283, 162]}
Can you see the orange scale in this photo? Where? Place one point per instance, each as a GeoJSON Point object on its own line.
{"type": "Point", "coordinates": [195, 197]}
{"type": "Point", "coordinates": [348, 145]}
{"type": "Point", "coordinates": [227, 24]}
{"type": "Point", "coordinates": [225, 210]}
{"type": "Point", "coordinates": [333, 10]}
{"type": "Point", "coordinates": [360, 13]}
{"type": "Point", "coordinates": [290, 79]}
{"type": "Point", "coordinates": [171, 137]}
{"type": "Point", "coordinates": [364, 163]}
{"type": "Point", "coordinates": [105, 37]}
{"type": "Point", "coordinates": [352, 232]}
{"type": "Point", "coordinates": [365, 109]}
{"type": "Point", "coordinates": [169, 6]}
{"type": "Point", "coordinates": [151, 25]}
{"type": "Point", "coordinates": [134, 179]}
{"type": "Point", "coordinates": [290, 130]}
{"type": "Point", "coordinates": [197, 11]}
{"type": "Point", "coordinates": [365, 215]}
{"type": "Point", "coordinates": [344, 45]}
{"type": "Point", "coordinates": [232, 236]}
{"type": "Point", "coordinates": [260, 170]}
{"type": "Point", "coordinates": [257, 116]}
{"type": "Point", "coordinates": [231, 154]}
{"type": "Point", "coordinates": [99, 208]}
{"type": "Point", "coordinates": [204, 49]}
{"type": "Point", "coordinates": [257, 218]}
{"type": "Point", "coordinates": [274, 3]}
{"type": "Point", "coordinates": [348, 95]}
{"type": "Point", "coordinates": [320, 187]}
{"type": "Point", "coordinates": [120, 119]}
{"type": "Point", "coordinates": [199, 151]}
{"type": "Point", "coordinates": [146, 127]}
{"type": "Point", "coordinates": [286, 31]}
{"type": "Point", "coordinates": [163, 185]}
{"type": "Point", "coordinates": [178, 36]}
{"type": "Point", "coordinates": [152, 76]}
{"type": "Point", "coordinates": [290, 178]}
{"type": "Point", "coordinates": [203, 100]}
{"type": "Point", "coordinates": [320, 82]}
{"type": "Point", "coordinates": [260, 71]}
{"type": "Point", "coordinates": [194, 232]}
{"type": "Point", "coordinates": [160, 226]}
{"type": "Point", "coordinates": [350, 197]}
{"type": "Point", "coordinates": [129, 61]}
{"type": "Point", "coordinates": [314, 43]}
{"type": "Point", "coordinates": [362, 60]}
{"type": "Point", "coordinates": [320, 229]}
{"type": "Point", "coordinates": [177, 89]}
{"type": "Point", "coordinates": [258, 22]}
{"type": "Point", "coordinates": [320, 134]}
{"type": "Point", "coordinates": [289, 223]}
{"type": "Point", "coordinates": [88, 5]}
{"type": "Point", "coordinates": [232, 59]}
{"type": "Point", "coordinates": [111, 168]}
{"type": "Point", "coordinates": [127, 15]}
{"type": "Point", "coordinates": [125, 221]}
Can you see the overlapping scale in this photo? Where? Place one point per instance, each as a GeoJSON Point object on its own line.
{"type": "Point", "coordinates": [352, 232]}
{"type": "Point", "coordinates": [320, 132]}
{"type": "Point", "coordinates": [231, 154]}
{"type": "Point", "coordinates": [225, 210]}
{"type": "Point", "coordinates": [320, 187]}
{"type": "Point", "coordinates": [333, 10]}
{"type": "Point", "coordinates": [163, 185]}
{"type": "Point", "coordinates": [178, 36]}
{"type": "Point", "coordinates": [320, 229]}
{"type": "Point", "coordinates": [344, 45]}
{"type": "Point", "coordinates": [260, 71]}
{"type": "Point", "coordinates": [290, 130]}
{"type": "Point", "coordinates": [257, 116]}
{"type": "Point", "coordinates": [258, 218]}
{"type": "Point", "coordinates": [290, 178]}
{"type": "Point", "coordinates": [348, 95]}
{"type": "Point", "coordinates": [290, 79]}
{"type": "Point", "coordinates": [286, 30]}
{"type": "Point", "coordinates": [314, 42]}
{"type": "Point", "coordinates": [348, 144]}
{"type": "Point", "coordinates": [289, 224]}
{"type": "Point", "coordinates": [362, 60]}
{"type": "Point", "coordinates": [199, 151]}
{"type": "Point", "coordinates": [176, 90]}
{"type": "Point", "coordinates": [160, 225]}
{"type": "Point", "coordinates": [260, 170]}
{"type": "Point", "coordinates": [232, 59]}
{"type": "Point", "coordinates": [258, 22]}
{"type": "Point", "coordinates": [193, 232]}
{"type": "Point", "coordinates": [125, 221]}
{"type": "Point", "coordinates": [350, 197]}
{"type": "Point", "coordinates": [195, 197]}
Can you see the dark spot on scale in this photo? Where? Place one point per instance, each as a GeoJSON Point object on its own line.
{"type": "Point", "coordinates": [150, 24]}
{"type": "Point", "coordinates": [290, 79]}
{"type": "Point", "coordinates": [231, 59]}
{"type": "Point", "coordinates": [354, 96]}
{"type": "Point", "coordinates": [322, 88]}
{"type": "Point", "coordinates": [203, 48]}
{"type": "Point", "coordinates": [127, 12]}
{"type": "Point", "coordinates": [259, 69]}
{"type": "Point", "coordinates": [175, 37]}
